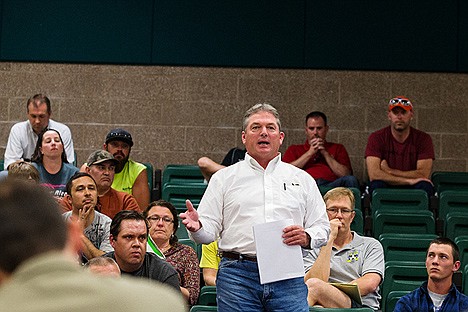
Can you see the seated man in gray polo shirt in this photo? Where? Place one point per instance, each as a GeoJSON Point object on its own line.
{"type": "Point", "coordinates": [347, 258]}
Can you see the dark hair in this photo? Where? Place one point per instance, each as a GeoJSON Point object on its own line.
{"type": "Point", "coordinates": [77, 175]}
{"type": "Point", "coordinates": [37, 155]}
{"type": "Point", "coordinates": [316, 114]}
{"type": "Point", "coordinates": [451, 243]}
{"type": "Point", "coordinates": [175, 218]}
{"type": "Point", "coordinates": [125, 215]}
{"type": "Point", "coordinates": [23, 170]}
{"type": "Point", "coordinates": [39, 99]}
{"type": "Point", "coordinates": [31, 223]}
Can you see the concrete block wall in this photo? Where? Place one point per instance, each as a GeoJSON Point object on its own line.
{"type": "Point", "coordinates": [178, 114]}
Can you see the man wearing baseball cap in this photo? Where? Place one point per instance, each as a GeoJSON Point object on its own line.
{"type": "Point", "coordinates": [130, 176]}
{"type": "Point", "coordinates": [101, 166]}
{"type": "Point", "coordinates": [399, 155]}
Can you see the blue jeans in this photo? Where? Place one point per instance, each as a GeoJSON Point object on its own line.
{"type": "Point", "coordinates": [345, 181]}
{"type": "Point", "coordinates": [238, 288]}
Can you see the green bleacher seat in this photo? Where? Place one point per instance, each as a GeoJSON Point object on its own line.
{"type": "Point", "coordinates": [2, 161]}
{"type": "Point", "coordinates": [393, 297]}
{"type": "Point", "coordinates": [182, 174]}
{"type": "Point", "coordinates": [207, 296]}
{"type": "Point", "coordinates": [465, 279]}
{"type": "Point", "coordinates": [177, 194]}
{"type": "Point", "coordinates": [462, 243]}
{"type": "Point", "coordinates": [456, 224]}
{"type": "Point", "coordinates": [407, 247]}
{"type": "Point", "coordinates": [400, 221]}
{"type": "Point", "coordinates": [188, 242]}
{"type": "Point", "coordinates": [181, 231]}
{"type": "Point", "coordinates": [202, 308]}
{"type": "Point", "coordinates": [446, 180]}
{"type": "Point", "coordinates": [401, 276]}
{"type": "Point", "coordinates": [358, 222]}
{"type": "Point", "coordinates": [451, 201]}
{"type": "Point", "coordinates": [402, 199]}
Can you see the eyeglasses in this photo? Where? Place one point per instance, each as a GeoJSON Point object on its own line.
{"type": "Point", "coordinates": [344, 212]}
{"type": "Point", "coordinates": [156, 219]}
{"type": "Point", "coordinates": [403, 102]}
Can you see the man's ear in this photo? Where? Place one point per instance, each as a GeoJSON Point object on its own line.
{"type": "Point", "coordinates": [112, 240]}
{"type": "Point", "coordinates": [68, 199]}
{"type": "Point", "coordinates": [456, 266]}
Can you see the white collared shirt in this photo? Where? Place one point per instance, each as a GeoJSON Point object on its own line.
{"type": "Point", "coordinates": [245, 194]}
{"type": "Point", "coordinates": [22, 141]}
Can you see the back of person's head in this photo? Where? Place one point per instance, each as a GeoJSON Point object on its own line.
{"type": "Point", "coordinates": [103, 266]}
{"type": "Point", "coordinates": [451, 243]}
{"type": "Point", "coordinates": [125, 215]}
{"type": "Point", "coordinates": [39, 99]}
{"type": "Point", "coordinates": [77, 175]}
{"type": "Point", "coordinates": [23, 170]}
{"type": "Point", "coordinates": [339, 192]}
{"type": "Point", "coordinates": [38, 156]}
{"type": "Point", "coordinates": [30, 223]}
{"type": "Point", "coordinates": [316, 114]}
{"type": "Point", "coordinates": [257, 108]}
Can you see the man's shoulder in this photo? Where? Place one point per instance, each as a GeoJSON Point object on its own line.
{"type": "Point", "coordinates": [19, 126]}
{"type": "Point", "coordinates": [100, 217]}
{"type": "Point", "coordinates": [58, 126]}
{"type": "Point", "coordinates": [135, 164]}
{"type": "Point", "coordinates": [366, 241]}
{"type": "Point", "coordinates": [153, 261]}
{"type": "Point", "coordinates": [419, 133]}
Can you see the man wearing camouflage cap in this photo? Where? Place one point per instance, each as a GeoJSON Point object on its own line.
{"type": "Point", "coordinates": [101, 166]}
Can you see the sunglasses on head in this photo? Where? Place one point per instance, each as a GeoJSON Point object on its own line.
{"type": "Point", "coordinates": [404, 102]}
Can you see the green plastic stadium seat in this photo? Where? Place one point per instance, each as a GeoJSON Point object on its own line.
{"type": "Point", "coordinates": [182, 174]}
{"type": "Point", "coordinates": [407, 247]}
{"type": "Point", "coordinates": [456, 224]}
{"type": "Point", "coordinates": [207, 296]}
{"type": "Point", "coordinates": [399, 199]}
{"type": "Point", "coordinates": [452, 201]}
{"type": "Point", "coordinates": [445, 180]}
{"type": "Point", "coordinates": [410, 222]}
{"type": "Point", "coordinates": [402, 276]}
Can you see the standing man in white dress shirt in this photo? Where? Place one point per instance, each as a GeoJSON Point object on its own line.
{"type": "Point", "coordinates": [257, 190]}
{"type": "Point", "coordinates": [23, 135]}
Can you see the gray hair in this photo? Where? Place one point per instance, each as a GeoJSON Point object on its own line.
{"type": "Point", "coordinates": [262, 107]}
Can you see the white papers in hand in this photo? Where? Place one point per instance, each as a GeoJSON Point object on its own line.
{"type": "Point", "coordinates": [276, 260]}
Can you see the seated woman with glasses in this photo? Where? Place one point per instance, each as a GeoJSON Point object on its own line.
{"type": "Point", "coordinates": [51, 161]}
{"type": "Point", "coordinates": [163, 222]}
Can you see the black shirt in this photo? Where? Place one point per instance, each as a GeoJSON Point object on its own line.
{"type": "Point", "coordinates": [154, 268]}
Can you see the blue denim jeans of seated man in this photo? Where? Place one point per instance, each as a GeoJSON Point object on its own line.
{"type": "Point", "coordinates": [238, 288]}
{"type": "Point", "coordinates": [345, 181]}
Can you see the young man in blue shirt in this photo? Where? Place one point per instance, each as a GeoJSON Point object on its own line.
{"type": "Point", "coordinates": [438, 294]}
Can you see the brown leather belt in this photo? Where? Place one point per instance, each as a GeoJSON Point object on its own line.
{"type": "Point", "coordinates": [237, 256]}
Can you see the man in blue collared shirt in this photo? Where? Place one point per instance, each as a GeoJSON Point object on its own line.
{"type": "Point", "coordinates": [438, 294]}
